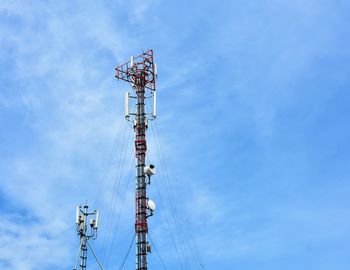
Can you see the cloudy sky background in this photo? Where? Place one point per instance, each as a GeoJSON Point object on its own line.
{"type": "Point", "coordinates": [251, 141]}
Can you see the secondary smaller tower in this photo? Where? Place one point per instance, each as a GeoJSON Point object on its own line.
{"type": "Point", "coordinates": [86, 229]}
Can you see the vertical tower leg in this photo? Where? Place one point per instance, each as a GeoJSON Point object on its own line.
{"type": "Point", "coordinates": [141, 227]}
{"type": "Point", "coordinates": [83, 254]}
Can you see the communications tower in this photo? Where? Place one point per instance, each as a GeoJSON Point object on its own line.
{"type": "Point", "coordinates": [141, 73]}
{"type": "Point", "coordinates": [86, 229]}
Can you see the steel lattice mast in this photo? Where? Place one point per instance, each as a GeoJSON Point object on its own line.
{"type": "Point", "coordinates": [141, 72]}
{"type": "Point", "coordinates": [82, 223]}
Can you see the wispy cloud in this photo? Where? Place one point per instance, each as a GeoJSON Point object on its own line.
{"type": "Point", "coordinates": [63, 92]}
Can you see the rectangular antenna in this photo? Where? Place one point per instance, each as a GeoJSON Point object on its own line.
{"type": "Point", "coordinates": [131, 61]}
{"type": "Point", "coordinates": [155, 71]}
{"type": "Point", "coordinates": [96, 220]}
{"type": "Point", "coordinates": [126, 101]}
{"type": "Point", "coordinates": [77, 214]}
{"type": "Point", "coordinates": [154, 104]}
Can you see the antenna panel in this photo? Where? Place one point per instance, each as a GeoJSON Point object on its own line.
{"type": "Point", "coordinates": [154, 104]}
{"type": "Point", "coordinates": [77, 215]}
{"type": "Point", "coordinates": [126, 104]}
{"type": "Point", "coordinates": [96, 221]}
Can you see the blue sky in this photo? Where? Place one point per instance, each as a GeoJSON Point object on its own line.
{"type": "Point", "coordinates": [251, 140]}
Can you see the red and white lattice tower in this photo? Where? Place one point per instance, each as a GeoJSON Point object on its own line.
{"type": "Point", "coordinates": [141, 73]}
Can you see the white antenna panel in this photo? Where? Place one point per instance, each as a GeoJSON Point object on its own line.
{"type": "Point", "coordinates": [154, 104]}
{"type": "Point", "coordinates": [126, 104]}
{"type": "Point", "coordinates": [155, 70]}
{"type": "Point", "coordinates": [77, 215]}
{"type": "Point", "coordinates": [96, 221]}
{"type": "Point", "coordinates": [131, 61]}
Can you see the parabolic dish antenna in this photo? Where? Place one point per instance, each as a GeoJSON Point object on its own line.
{"type": "Point", "coordinates": [151, 205]}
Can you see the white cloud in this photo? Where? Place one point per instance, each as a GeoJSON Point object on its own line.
{"type": "Point", "coordinates": [73, 105]}
{"type": "Point", "coordinates": [29, 244]}
{"type": "Point", "coordinates": [139, 10]}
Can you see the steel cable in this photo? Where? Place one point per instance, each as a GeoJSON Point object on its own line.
{"type": "Point", "coordinates": [156, 250]}
{"type": "Point", "coordinates": [108, 256]}
{"type": "Point", "coordinates": [171, 201]}
{"type": "Point", "coordinates": [101, 183]}
{"type": "Point", "coordinates": [180, 219]}
{"type": "Point", "coordinates": [127, 254]}
{"type": "Point", "coordinates": [115, 190]}
{"type": "Point", "coordinates": [166, 213]}
{"type": "Point", "coordinates": [116, 208]}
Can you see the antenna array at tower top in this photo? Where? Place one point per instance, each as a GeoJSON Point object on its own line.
{"type": "Point", "coordinates": [139, 67]}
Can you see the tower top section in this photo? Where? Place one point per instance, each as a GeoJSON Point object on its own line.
{"type": "Point", "coordinates": [139, 71]}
